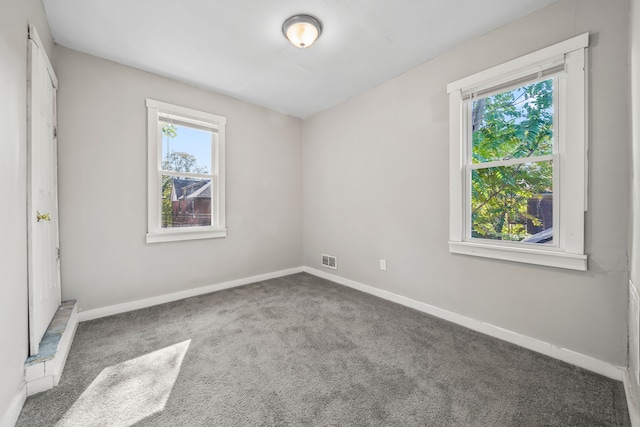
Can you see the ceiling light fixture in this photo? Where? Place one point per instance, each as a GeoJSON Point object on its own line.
{"type": "Point", "coordinates": [302, 30]}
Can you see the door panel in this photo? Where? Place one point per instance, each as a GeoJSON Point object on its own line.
{"type": "Point", "coordinates": [42, 198]}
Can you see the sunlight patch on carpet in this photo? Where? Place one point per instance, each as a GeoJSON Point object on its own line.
{"type": "Point", "coordinates": [128, 392]}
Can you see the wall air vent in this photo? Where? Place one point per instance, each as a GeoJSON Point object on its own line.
{"type": "Point", "coordinates": [329, 261]}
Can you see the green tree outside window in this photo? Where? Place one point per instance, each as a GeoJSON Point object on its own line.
{"type": "Point", "coordinates": [516, 124]}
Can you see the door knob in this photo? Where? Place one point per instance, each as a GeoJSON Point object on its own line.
{"type": "Point", "coordinates": [43, 217]}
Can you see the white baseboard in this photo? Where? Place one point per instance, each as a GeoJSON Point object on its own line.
{"type": "Point", "coordinates": [65, 346]}
{"type": "Point", "coordinates": [578, 359]}
{"type": "Point", "coordinates": [13, 412]}
{"type": "Point", "coordinates": [632, 399]}
{"type": "Point", "coordinates": [175, 296]}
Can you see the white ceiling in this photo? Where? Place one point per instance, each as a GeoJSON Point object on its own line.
{"type": "Point", "coordinates": [236, 47]}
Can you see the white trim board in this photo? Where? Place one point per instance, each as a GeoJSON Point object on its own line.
{"type": "Point", "coordinates": [632, 405]}
{"type": "Point", "coordinates": [175, 296]}
{"type": "Point", "coordinates": [15, 407]}
{"type": "Point", "coordinates": [630, 377]}
{"type": "Point", "coordinates": [572, 357]}
{"type": "Point", "coordinates": [45, 375]}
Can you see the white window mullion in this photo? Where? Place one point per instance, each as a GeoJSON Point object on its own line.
{"type": "Point", "coordinates": [511, 162]}
{"type": "Point", "coordinates": [185, 174]}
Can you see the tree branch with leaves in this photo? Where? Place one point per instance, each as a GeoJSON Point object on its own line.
{"type": "Point", "coordinates": [516, 124]}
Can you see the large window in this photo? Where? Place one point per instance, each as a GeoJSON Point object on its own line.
{"type": "Point", "coordinates": [518, 159]}
{"type": "Point", "coordinates": [186, 173]}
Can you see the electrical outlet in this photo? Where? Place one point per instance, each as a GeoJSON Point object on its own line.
{"type": "Point", "coordinates": [383, 264]}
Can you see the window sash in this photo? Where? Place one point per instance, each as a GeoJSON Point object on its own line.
{"type": "Point", "coordinates": [179, 120]}
{"type": "Point", "coordinates": [505, 87]}
{"type": "Point", "coordinates": [468, 226]}
{"type": "Point", "coordinates": [213, 208]}
{"type": "Point", "coordinates": [469, 210]}
{"type": "Point", "coordinates": [553, 72]}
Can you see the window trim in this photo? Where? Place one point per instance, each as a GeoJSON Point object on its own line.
{"type": "Point", "coordinates": [567, 61]}
{"type": "Point", "coordinates": [155, 233]}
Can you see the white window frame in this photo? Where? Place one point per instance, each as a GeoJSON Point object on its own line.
{"type": "Point", "coordinates": [565, 62]}
{"type": "Point", "coordinates": [155, 232]}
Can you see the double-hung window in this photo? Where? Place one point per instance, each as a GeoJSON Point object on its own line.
{"type": "Point", "coordinates": [518, 152]}
{"type": "Point", "coordinates": [186, 197]}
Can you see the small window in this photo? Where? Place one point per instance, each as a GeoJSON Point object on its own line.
{"type": "Point", "coordinates": [518, 159]}
{"type": "Point", "coordinates": [186, 173]}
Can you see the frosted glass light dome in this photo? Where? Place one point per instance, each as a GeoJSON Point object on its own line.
{"type": "Point", "coordinates": [302, 30]}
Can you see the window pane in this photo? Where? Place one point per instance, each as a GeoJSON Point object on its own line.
{"type": "Point", "coordinates": [513, 124]}
{"type": "Point", "coordinates": [513, 203]}
{"type": "Point", "coordinates": [186, 149]}
{"type": "Point", "coordinates": [185, 202]}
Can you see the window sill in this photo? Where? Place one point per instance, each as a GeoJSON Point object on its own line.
{"type": "Point", "coordinates": [525, 255]}
{"type": "Point", "coordinates": [175, 235]}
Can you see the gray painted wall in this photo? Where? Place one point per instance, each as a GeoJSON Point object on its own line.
{"type": "Point", "coordinates": [635, 183]}
{"type": "Point", "coordinates": [376, 186]}
{"type": "Point", "coordinates": [14, 21]}
{"type": "Point", "coordinates": [103, 187]}
{"type": "Point", "coordinates": [635, 144]}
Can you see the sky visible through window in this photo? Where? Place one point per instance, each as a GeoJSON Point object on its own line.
{"type": "Point", "coordinates": [192, 141]}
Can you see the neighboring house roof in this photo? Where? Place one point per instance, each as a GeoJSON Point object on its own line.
{"type": "Point", "coordinates": [203, 192]}
{"type": "Point", "coordinates": [188, 188]}
{"type": "Point", "coordinates": [542, 237]}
